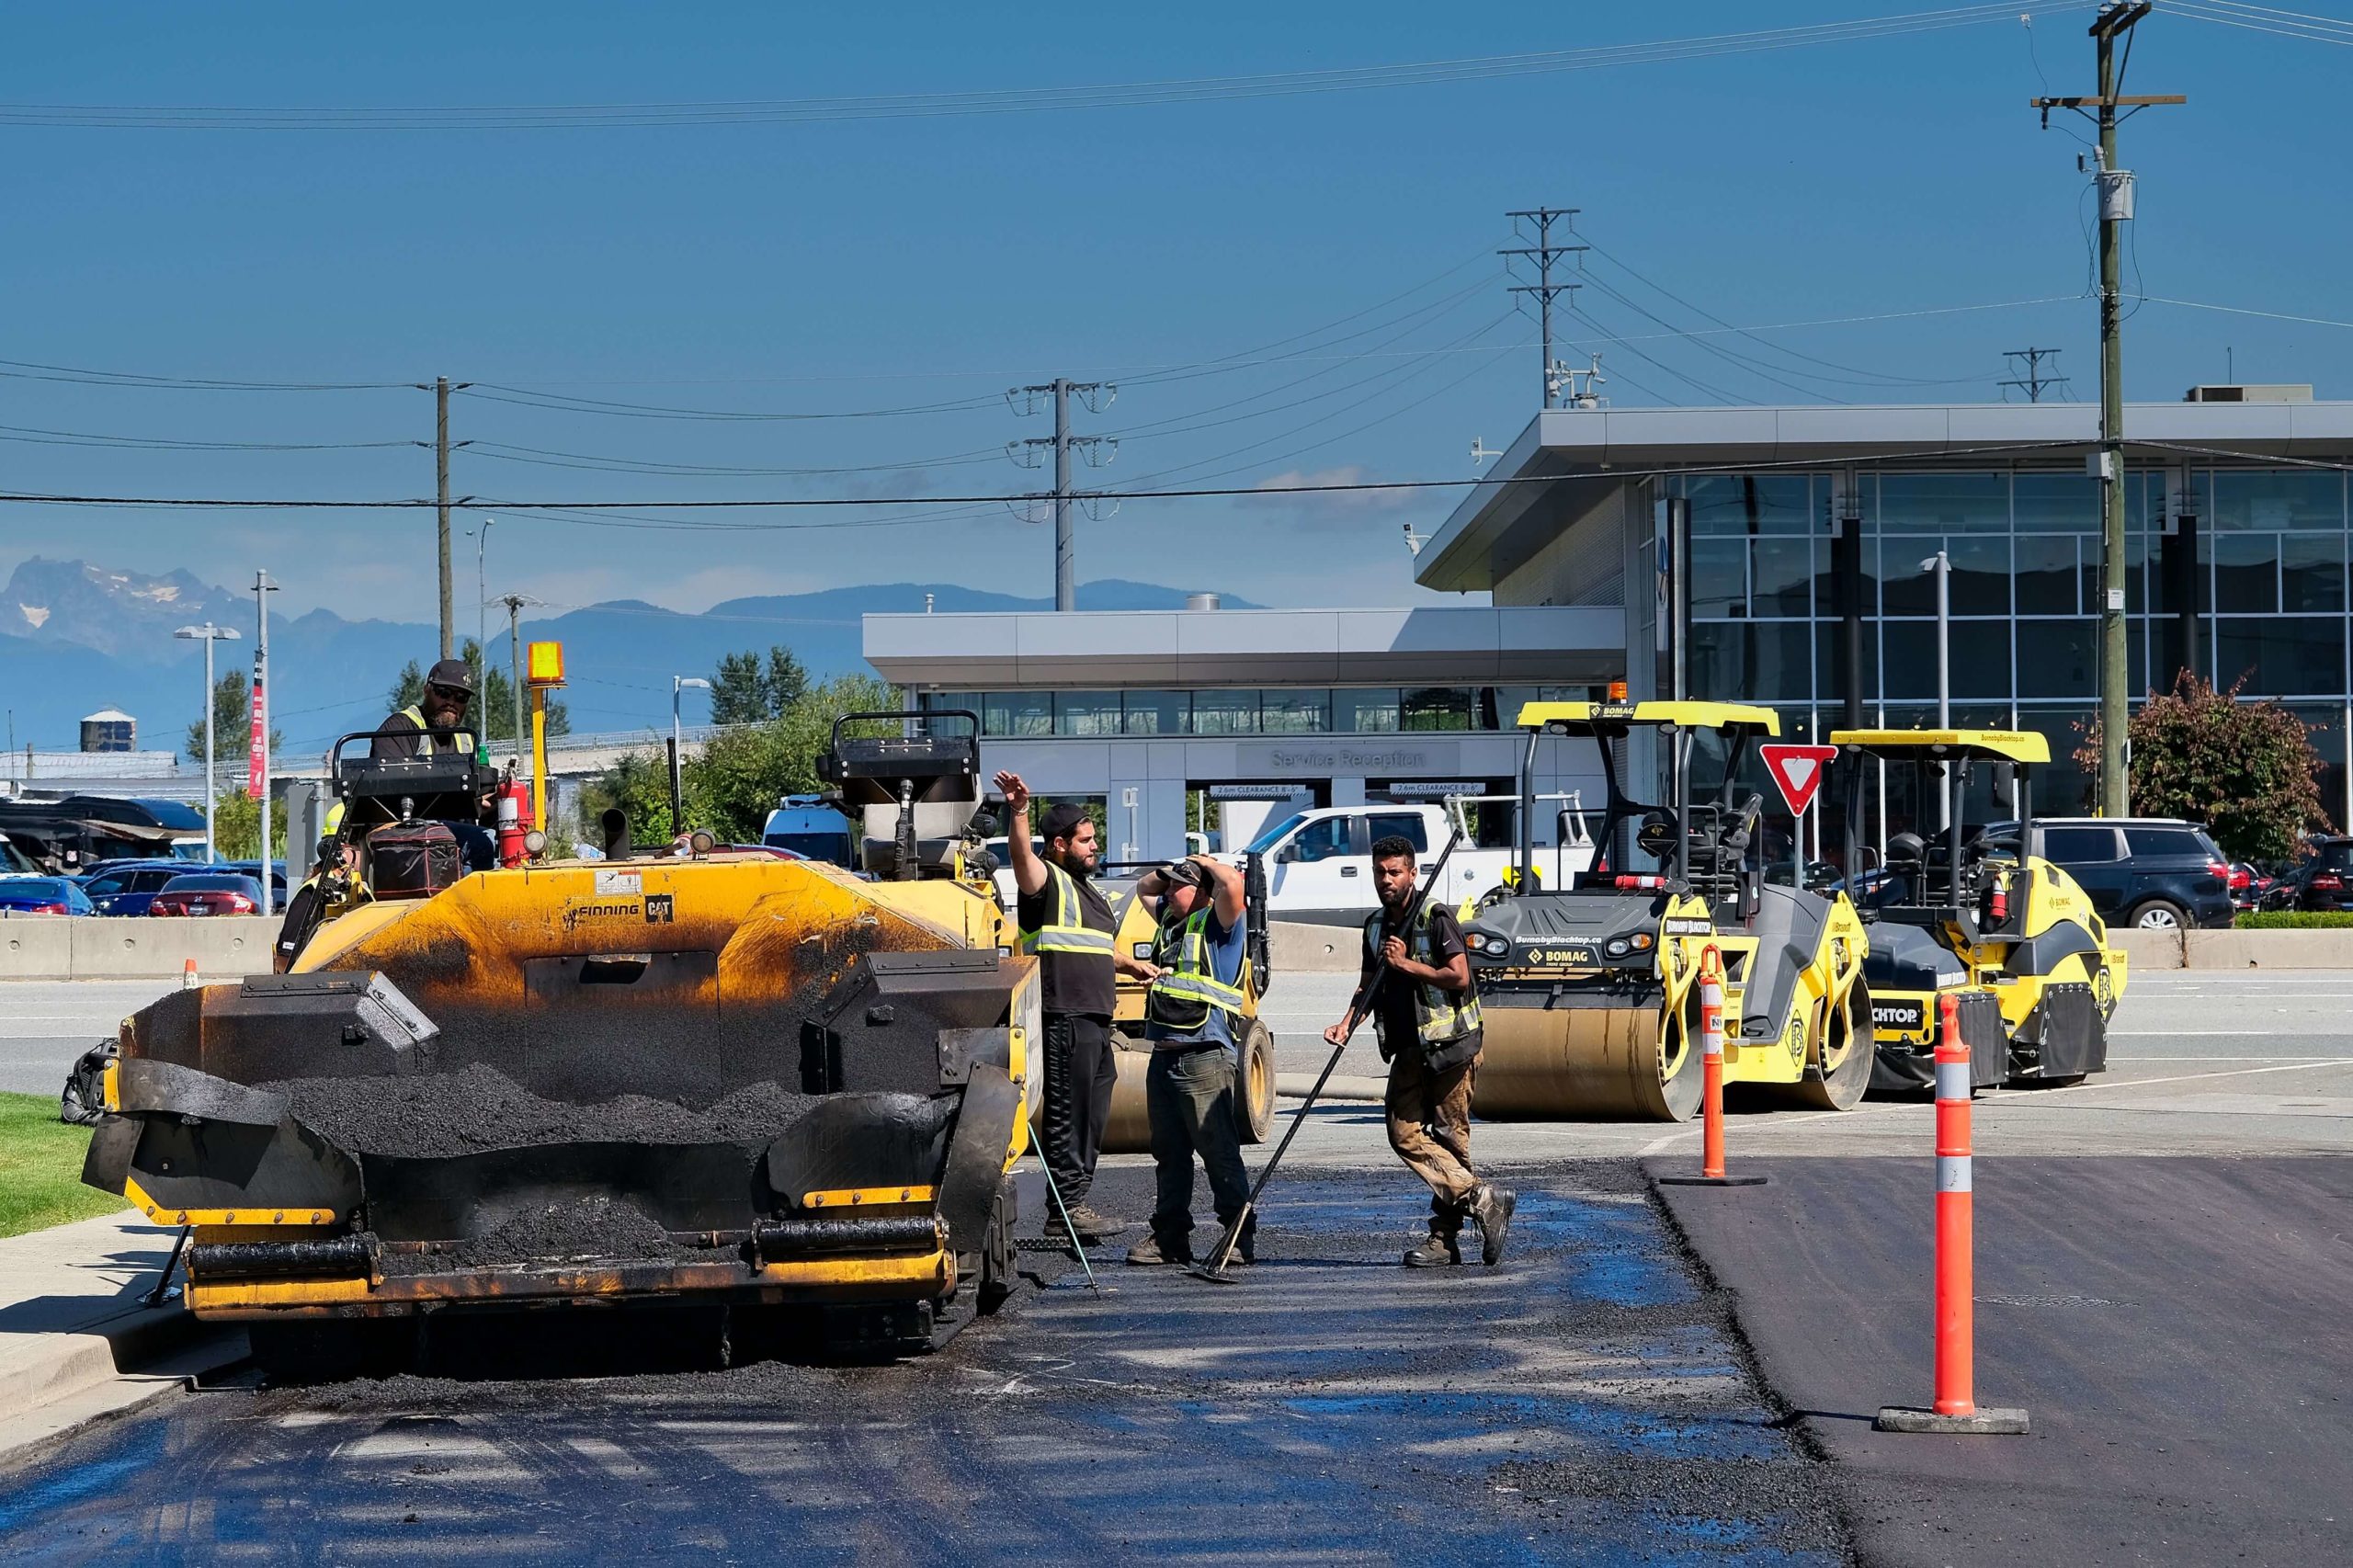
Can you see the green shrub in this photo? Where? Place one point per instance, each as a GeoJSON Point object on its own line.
{"type": "Point", "coordinates": [2295, 920]}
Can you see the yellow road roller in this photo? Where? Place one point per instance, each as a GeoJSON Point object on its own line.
{"type": "Point", "coordinates": [764, 1087]}
{"type": "Point", "coordinates": [1970, 910]}
{"type": "Point", "coordinates": [1590, 991]}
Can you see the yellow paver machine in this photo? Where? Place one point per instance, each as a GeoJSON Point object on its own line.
{"type": "Point", "coordinates": [762, 1086]}
{"type": "Point", "coordinates": [1971, 911]}
{"type": "Point", "coordinates": [1589, 992]}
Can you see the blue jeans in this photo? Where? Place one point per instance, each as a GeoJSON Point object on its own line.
{"type": "Point", "coordinates": [1189, 1096]}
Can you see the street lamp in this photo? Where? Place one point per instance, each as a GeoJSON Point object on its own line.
{"type": "Point", "coordinates": [1942, 567]}
{"type": "Point", "coordinates": [208, 634]}
{"type": "Point", "coordinates": [677, 743]}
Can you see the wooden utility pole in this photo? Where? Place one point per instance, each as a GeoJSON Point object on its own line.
{"type": "Point", "coordinates": [2114, 21]}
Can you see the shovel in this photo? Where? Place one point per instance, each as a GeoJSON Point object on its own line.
{"type": "Point", "coordinates": [1214, 1269]}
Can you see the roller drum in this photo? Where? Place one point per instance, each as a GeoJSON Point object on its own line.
{"type": "Point", "coordinates": [1587, 1065]}
{"type": "Point", "coordinates": [1128, 1130]}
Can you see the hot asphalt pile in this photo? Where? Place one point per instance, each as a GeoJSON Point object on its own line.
{"type": "Point", "coordinates": [1585, 1401]}
{"type": "Point", "coordinates": [442, 1115]}
{"type": "Point", "coordinates": [598, 1227]}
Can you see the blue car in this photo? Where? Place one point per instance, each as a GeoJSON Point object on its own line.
{"type": "Point", "coordinates": [42, 895]}
{"type": "Point", "coordinates": [127, 887]}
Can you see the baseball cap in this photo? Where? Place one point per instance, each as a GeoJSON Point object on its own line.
{"type": "Point", "coordinates": [454, 674]}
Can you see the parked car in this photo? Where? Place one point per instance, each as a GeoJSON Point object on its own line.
{"type": "Point", "coordinates": [253, 869]}
{"type": "Point", "coordinates": [208, 892]}
{"type": "Point", "coordinates": [126, 887]}
{"type": "Point", "coordinates": [2250, 887]}
{"type": "Point", "coordinates": [2322, 880]}
{"type": "Point", "coordinates": [2156, 873]}
{"type": "Point", "coordinates": [42, 895]}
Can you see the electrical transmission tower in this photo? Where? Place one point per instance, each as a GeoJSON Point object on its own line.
{"type": "Point", "coordinates": [1542, 253]}
{"type": "Point", "coordinates": [1097, 450]}
{"type": "Point", "coordinates": [2031, 380]}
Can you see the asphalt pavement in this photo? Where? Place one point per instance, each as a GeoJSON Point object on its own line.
{"type": "Point", "coordinates": [1585, 1402]}
{"type": "Point", "coordinates": [2171, 1326]}
{"type": "Point", "coordinates": [45, 1025]}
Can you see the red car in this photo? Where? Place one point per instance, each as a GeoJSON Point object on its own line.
{"type": "Point", "coordinates": [208, 892]}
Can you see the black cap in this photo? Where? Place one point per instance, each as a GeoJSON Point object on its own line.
{"type": "Point", "coordinates": [1063, 821]}
{"type": "Point", "coordinates": [454, 674]}
{"type": "Point", "coordinates": [1186, 873]}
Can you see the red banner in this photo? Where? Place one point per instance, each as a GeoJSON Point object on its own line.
{"type": "Point", "coordinates": [255, 783]}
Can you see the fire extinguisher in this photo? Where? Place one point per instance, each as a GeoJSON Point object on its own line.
{"type": "Point", "coordinates": [1997, 903]}
{"type": "Point", "coordinates": [514, 821]}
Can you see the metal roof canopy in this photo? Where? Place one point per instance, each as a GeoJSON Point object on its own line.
{"type": "Point", "coordinates": [2003, 745]}
{"type": "Point", "coordinates": [1615, 718]}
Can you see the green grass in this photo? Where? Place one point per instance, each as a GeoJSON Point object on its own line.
{"type": "Point", "coordinates": [40, 1168]}
{"type": "Point", "coordinates": [2295, 920]}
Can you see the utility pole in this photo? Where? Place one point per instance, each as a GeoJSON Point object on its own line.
{"type": "Point", "coordinates": [515, 603]}
{"type": "Point", "coordinates": [1028, 452]}
{"type": "Point", "coordinates": [441, 388]}
{"type": "Point", "coordinates": [263, 588]}
{"type": "Point", "coordinates": [2032, 380]}
{"type": "Point", "coordinates": [1544, 253]}
{"type": "Point", "coordinates": [2114, 21]}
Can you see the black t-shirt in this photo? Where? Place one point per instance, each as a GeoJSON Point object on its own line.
{"type": "Point", "coordinates": [1393, 1009]}
{"type": "Point", "coordinates": [1072, 982]}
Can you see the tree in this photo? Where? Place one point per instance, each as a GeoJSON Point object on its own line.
{"type": "Point", "coordinates": [729, 790]}
{"type": "Point", "coordinates": [492, 713]}
{"type": "Point", "coordinates": [232, 720]}
{"type": "Point", "coordinates": [745, 691]}
{"type": "Point", "coordinates": [2245, 768]}
{"type": "Point", "coordinates": [236, 827]}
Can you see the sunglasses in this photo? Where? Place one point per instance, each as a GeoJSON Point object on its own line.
{"type": "Point", "coordinates": [452, 693]}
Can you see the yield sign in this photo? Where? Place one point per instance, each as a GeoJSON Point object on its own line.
{"type": "Point", "coordinates": [1797, 770]}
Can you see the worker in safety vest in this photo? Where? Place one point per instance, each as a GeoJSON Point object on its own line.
{"type": "Point", "coordinates": [330, 883]}
{"type": "Point", "coordinates": [1065, 920]}
{"type": "Point", "coordinates": [439, 716]}
{"type": "Point", "coordinates": [1195, 1019]}
{"type": "Point", "coordinates": [1416, 987]}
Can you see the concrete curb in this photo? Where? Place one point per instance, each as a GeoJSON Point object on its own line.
{"type": "Point", "coordinates": [52, 1384]}
{"type": "Point", "coordinates": [49, 947]}
{"type": "Point", "coordinates": [1295, 1087]}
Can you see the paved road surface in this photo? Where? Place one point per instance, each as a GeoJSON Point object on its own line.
{"type": "Point", "coordinates": [2171, 1326]}
{"type": "Point", "coordinates": [1582, 1404]}
{"type": "Point", "coordinates": [46, 1024]}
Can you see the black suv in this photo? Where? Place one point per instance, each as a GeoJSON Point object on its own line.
{"type": "Point", "coordinates": [2322, 880]}
{"type": "Point", "coordinates": [2157, 873]}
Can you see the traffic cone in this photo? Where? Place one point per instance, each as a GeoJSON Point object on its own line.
{"type": "Point", "coordinates": [187, 976]}
{"type": "Point", "coordinates": [1711, 1079]}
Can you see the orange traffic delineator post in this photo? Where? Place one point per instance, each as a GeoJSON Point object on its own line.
{"type": "Point", "coordinates": [1712, 1081]}
{"type": "Point", "coordinates": [187, 976]}
{"type": "Point", "coordinates": [1954, 1407]}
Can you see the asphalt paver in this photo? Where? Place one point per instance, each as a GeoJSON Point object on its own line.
{"type": "Point", "coordinates": [2173, 1326]}
{"type": "Point", "coordinates": [1586, 1402]}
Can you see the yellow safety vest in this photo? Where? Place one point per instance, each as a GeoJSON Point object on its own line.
{"type": "Point", "coordinates": [1188, 987]}
{"type": "Point", "coordinates": [1438, 1017]}
{"type": "Point", "coordinates": [463, 740]}
{"type": "Point", "coordinates": [1065, 930]}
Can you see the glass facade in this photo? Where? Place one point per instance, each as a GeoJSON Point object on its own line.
{"type": "Point", "coordinates": [2269, 573]}
{"type": "Point", "coordinates": [1251, 711]}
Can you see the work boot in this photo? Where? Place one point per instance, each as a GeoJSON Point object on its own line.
{"type": "Point", "coordinates": [1492, 1207]}
{"type": "Point", "coordinates": [1435, 1251]}
{"type": "Point", "coordinates": [1092, 1224]}
{"type": "Point", "coordinates": [1149, 1254]}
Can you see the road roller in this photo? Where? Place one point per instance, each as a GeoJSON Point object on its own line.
{"type": "Point", "coordinates": [1129, 1131]}
{"type": "Point", "coordinates": [1973, 913]}
{"type": "Point", "coordinates": [1590, 991]}
{"type": "Point", "coordinates": [767, 1088]}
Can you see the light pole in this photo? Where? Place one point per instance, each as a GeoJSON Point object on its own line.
{"type": "Point", "coordinates": [263, 588]}
{"type": "Point", "coordinates": [1942, 567]}
{"type": "Point", "coordinates": [482, 593]}
{"type": "Point", "coordinates": [207, 634]}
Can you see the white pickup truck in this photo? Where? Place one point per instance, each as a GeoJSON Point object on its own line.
{"type": "Point", "coordinates": [1319, 862]}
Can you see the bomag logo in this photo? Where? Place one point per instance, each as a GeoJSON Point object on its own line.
{"type": "Point", "coordinates": [603, 909]}
{"type": "Point", "coordinates": [1793, 1037]}
{"type": "Point", "coordinates": [1562, 955]}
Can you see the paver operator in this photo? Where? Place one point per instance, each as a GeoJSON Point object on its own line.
{"type": "Point", "coordinates": [1191, 1016]}
{"type": "Point", "coordinates": [1065, 921]}
{"type": "Point", "coordinates": [439, 716]}
{"type": "Point", "coordinates": [1417, 988]}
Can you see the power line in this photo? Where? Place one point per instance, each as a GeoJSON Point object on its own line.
{"type": "Point", "coordinates": [545, 117]}
{"type": "Point", "coordinates": [1542, 255]}
{"type": "Point", "coordinates": [2032, 380]}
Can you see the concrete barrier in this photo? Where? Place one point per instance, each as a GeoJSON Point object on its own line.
{"type": "Point", "coordinates": [2148, 950]}
{"type": "Point", "coordinates": [87, 948]}
{"type": "Point", "coordinates": [2269, 950]}
{"type": "Point", "coordinates": [1297, 948]}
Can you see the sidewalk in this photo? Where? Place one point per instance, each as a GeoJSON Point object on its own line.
{"type": "Point", "coordinates": [76, 1343]}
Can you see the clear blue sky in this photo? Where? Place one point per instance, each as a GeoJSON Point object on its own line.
{"type": "Point", "coordinates": [891, 262]}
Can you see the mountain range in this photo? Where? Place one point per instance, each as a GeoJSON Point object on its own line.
{"type": "Point", "coordinates": [76, 638]}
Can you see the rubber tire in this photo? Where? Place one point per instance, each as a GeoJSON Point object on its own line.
{"type": "Point", "coordinates": [2139, 919]}
{"type": "Point", "coordinates": [1256, 1090]}
{"type": "Point", "coordinates": [1842, 1087]}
